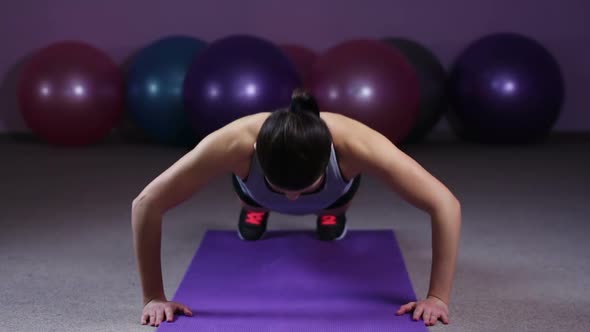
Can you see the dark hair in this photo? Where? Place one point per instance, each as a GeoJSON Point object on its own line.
{"type": "Point", "coordinates": [294, 145]}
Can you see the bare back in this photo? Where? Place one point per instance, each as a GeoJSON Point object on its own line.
{"type": "Point", "coordinates": [337, 124]}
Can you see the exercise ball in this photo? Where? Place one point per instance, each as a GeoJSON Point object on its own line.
{"type": "Point", "coordinates": [154, 89]}
{"type": "Point", "coordinates": [432, 79]}
{"type": "Point", "coordinates": [369, 81]}
{"type": "Point", "coordinates": [301, 57]}
{"type": "Point", "coordinates": [71, 94]}
{"type": "Point", "coordinates": [234, 77]}
{"type": "Point", "coordinates": [505, 88]}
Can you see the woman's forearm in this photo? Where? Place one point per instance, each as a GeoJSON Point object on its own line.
{"type": "Point", "coordinates": [446, 231]}
{"type": "Point", "coordinates": [147, 231]}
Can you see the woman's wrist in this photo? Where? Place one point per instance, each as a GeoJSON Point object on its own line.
{"type": "Point", "coordinates": [438, 298]}
{"type": "Point", "coordinates": [148, 299]}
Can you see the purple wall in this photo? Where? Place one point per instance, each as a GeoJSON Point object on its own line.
{"type": "Point", "coordinates": [120, 27]}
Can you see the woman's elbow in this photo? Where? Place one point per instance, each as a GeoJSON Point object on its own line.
{"type": "Point", "coordinates": [139, 202]}
{"type": "Point", "coordinates": [448, 206]}
{"type": "Point", "coordinates": [454, 206]}
{"type": "Point", "coordinates": [455, 203]}
{"type": "Point", "coordinates": [142, 206]}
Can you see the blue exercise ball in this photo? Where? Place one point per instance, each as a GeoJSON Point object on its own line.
{"type": "Point", "coordinates": [234, 77]}
{"type": "Point", "coordinates": [154, 89]}
{"type": "Point", "coordinates": [505, 88]}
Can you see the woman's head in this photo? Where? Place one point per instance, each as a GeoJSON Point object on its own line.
{"type": "Point", "coordinates": [294, 145]}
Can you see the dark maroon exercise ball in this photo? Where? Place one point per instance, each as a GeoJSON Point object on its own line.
{"type": "Point", "coordinates": [368, 81]}
{"type": "Point", "coordinates": [301, 57]}
{"type": "Point", "coordinates": [71, 93]}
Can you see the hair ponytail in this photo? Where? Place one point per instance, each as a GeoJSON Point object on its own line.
{"type": "Point", "coordinates": [303, 101]}
{"type": "Point", "coordinates": [294, 145]}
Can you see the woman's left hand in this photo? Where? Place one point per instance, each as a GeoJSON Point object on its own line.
{"type": "Point", "coordinates": [432, 309]}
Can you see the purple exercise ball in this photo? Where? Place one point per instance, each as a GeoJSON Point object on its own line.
{"type": "Point", "coordinates": [505, 88]}
{"type": "Point", "coordinates": [235, 77]}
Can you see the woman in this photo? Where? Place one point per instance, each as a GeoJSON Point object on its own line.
{"type": "Point", "coordinates": [296, 161]}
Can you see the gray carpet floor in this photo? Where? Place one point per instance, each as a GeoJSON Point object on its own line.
{"type": "Point", "coordinates": [67, 264]}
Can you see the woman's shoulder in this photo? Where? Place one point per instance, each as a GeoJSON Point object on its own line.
{"type": "Point", "coordinates": [343, 130]}
{"type": "Point", "coordinates": [245, 129]}
{"type": "Point", "coordinates": [240, 140]}
{"type": "Point", "coordinates": [341, 127]}
{"type": "Point", "coordinates": [251, 124]}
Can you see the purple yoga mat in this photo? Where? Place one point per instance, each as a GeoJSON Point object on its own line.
{"type": "Point", "coordinates": [290, 281]}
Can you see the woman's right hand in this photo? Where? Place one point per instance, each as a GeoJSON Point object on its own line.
{"type": "Point", "coordinates": [158, 310]}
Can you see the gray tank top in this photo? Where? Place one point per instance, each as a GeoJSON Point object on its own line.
{"type": "Point", "coordinates": [258, 189]}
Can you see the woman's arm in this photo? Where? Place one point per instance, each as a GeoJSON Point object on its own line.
{"type": "Point", "coordinates": [371, 152]}
{"type": "Point", "coordinates": [216, 154]}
